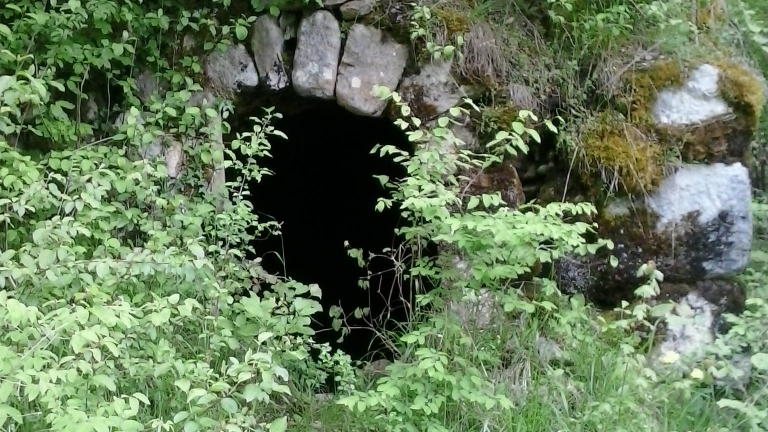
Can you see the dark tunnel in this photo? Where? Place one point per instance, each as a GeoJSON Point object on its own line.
{"type": "Point", "coordinates": [324, 193]}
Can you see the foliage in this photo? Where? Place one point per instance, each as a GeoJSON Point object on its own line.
{"type": "Point", "coordinates": [428, 32]}
{"type": "Point", "coordinates": [124, 291]}
{"type": "Point", "coordinates": [127, 304]}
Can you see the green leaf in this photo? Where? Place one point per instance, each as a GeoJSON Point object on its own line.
{"type": "Point", "coordinates": [7, 255]}
{"type": "Point", "coordinates": [197, 250]}
{"type": "Point", "coordinates": [229, 405]}
{"type": "Point", "coordinates": [183, 384]}
{"type": "Point", "coordinates": [241, 32]}
{"type": "Point", "coordinates": [662, 309]}
{"type": "Point", "coordinates": [105, 381]}
{"type": "Point", "coordinates": [9, 411]}
{"type": "Point", "coordinates": [46, 258]}
{"type": "Point", "coordinates": [760, 361]}
{"type": "Point", "coordinates": [180, 416]}
{"type": "Point", "coordinates": [279, 425]}
{"type": "Point", "coordinates": [102, 269]}
{"type": "Point", "coordinates": [251, 392]}
{"type": "Point", "coordinates": [473, 202]}
{"type": "Point", "coordinates": [192, 426]}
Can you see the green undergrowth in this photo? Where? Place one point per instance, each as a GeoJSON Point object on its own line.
{"type": "Point", "coordinates": [122, 303]}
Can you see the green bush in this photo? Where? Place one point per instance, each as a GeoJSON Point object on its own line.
{"type": "Point", "coordinates": [124, 291]}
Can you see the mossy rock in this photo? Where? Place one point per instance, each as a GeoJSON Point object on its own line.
{"type": "Point", "coordinates": [502, 178]}
{"type": "Point", "coordinates": [724, 138]}
{"type": "Point", "coordinates": [620, 155]}
{"type": "Point", "coordinates": [680, 257]}
{"type": "Point", "coordinates": [630, 152]}
{"type": "Point", "coordinates": [696, 226]}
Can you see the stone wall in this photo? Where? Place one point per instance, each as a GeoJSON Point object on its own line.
{"type": "Point", "coordinates": [689, 216]}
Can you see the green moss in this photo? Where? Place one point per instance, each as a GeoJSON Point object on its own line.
{"type": "Point", "coordinates": [454, 22]}
{"type": "Point", "coordinates": [616, 152]}
{"type": "Point", "coordinates": [643, 87]}
{"type": "Point", "coordinates": [724, 139]}
{"type": "Point", "coordinates": [720, 140]}
{"type": "Point", "coordinates": [742, 90]}
{"type": "Point", "coordinates": [493, 119]}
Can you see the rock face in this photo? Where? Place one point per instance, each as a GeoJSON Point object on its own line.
{"type": "Point", "coordinates": [696, 226]}
{"type": "Point", "coordinates": [147, 85]}
{"type": "Point", "coordinates": [695, 102]}
{"type": "Point", "coordinates": [357, 8]}
{"type": "Point", "coordinates": [695, 223]}
{"type": "Point", "coordinates": [316, 60]}
{"type": "Point", "coordinates": [719, 196]}
{"type": "Point", "coordinates": [432, 91]}
{"type": "Point", "coordinates": [231, 69]}
{"type": "Point", "coordinates": [370, 59]}
{"type": "Point", "coordinates": [267, 46]}
{"type": "Point", "coordinates": [499, 178]}
{"type": "Point", "coordinates": [333, 3]}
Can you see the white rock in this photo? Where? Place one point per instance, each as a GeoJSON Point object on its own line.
{"type": "Point", "coordinates": [370, 58]}
{"type": "Point", "coordinates": [432, 91]}
{"type": "Point", "coordinates": [690, 328]}
{"type": "Point", "coordinates": [231, 69]}
{"type": "Point", "coordinates": [267, 47]}
{"type": "Point", "coordinates": [316, 61]}
{"type": "Point", "coordinates": [721, 195]}
{"type": "Point", "coordinates": [696, 102]}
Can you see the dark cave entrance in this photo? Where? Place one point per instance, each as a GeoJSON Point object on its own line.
{"type": "Point", "coordinates": [324, 194]}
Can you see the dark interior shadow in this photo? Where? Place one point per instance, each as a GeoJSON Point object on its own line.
{"type": "Point", "coordinates": [324, 193]}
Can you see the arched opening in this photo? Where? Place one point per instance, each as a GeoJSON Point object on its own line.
{"type": "Point", "coordinates": [324, 193]}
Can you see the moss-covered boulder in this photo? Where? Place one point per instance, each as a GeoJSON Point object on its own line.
{"type": "Point", "coordinates": [667, 168]}
{"type": "Point", "coordinates": [697, 225]}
